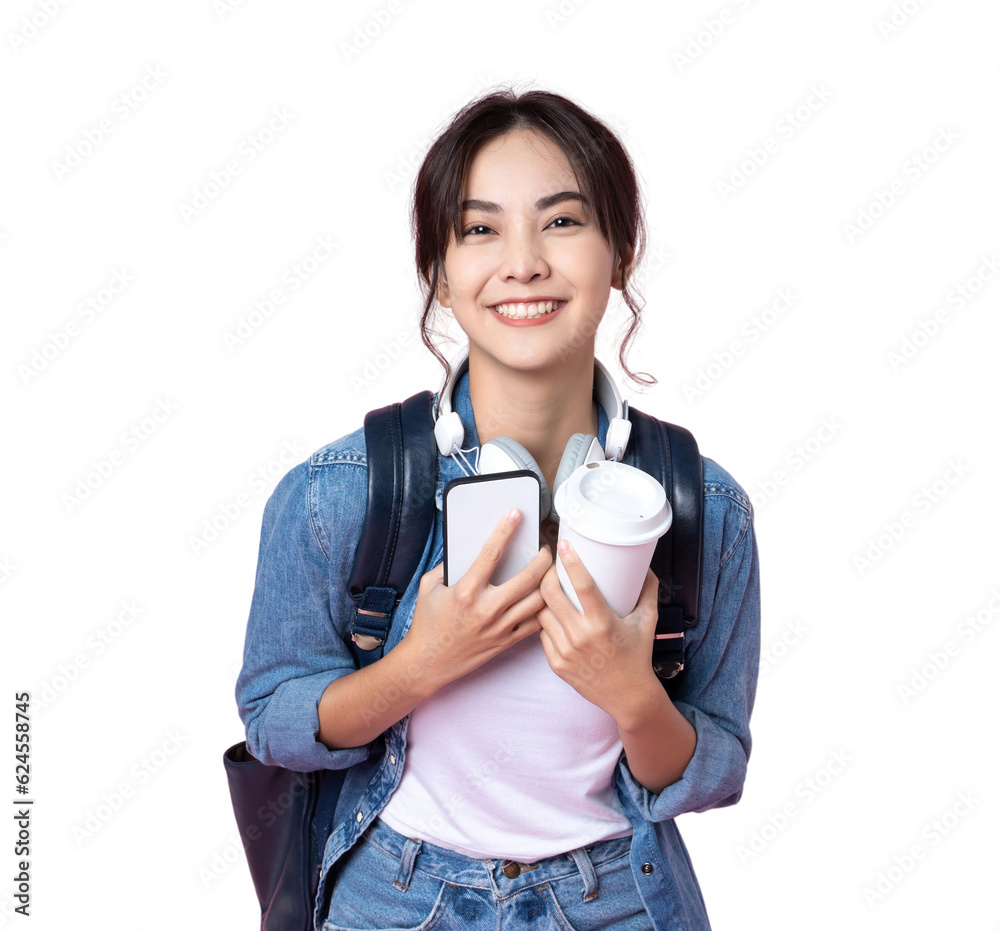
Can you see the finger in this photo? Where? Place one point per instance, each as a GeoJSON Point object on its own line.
{"type": "Point", "coordinates": [648, 596]}
{"type": "Point", "coordinates": [434, 575]}
{"type": "Point", "coordinates": [518, 585]}
{"type": "Point", "coordinates": [552, 591]}
{"type": "Point", "coordinates": [432, 578]}
{"type": "Point", "coordinates": [561, 633]}
{"type": "Point", "coordinates": [525, 628]}
{"type": "Point", "coordinates": [646, 610]}
{"type": "Point", "coordinates": [547, 619]}
{"type": "Point", "coordinates": [553, 655]}
{"type": "Point", "coordinates": [591, 599]}
{"type": "Point", "coordinates": [551, 625]}
{"type": "Point", "coordinates": [484, 565]}
{"type": "Point", "coordinates": [522, 609]}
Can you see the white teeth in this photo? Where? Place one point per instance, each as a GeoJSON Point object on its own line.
{"type": "Point", "coordinates": [520, 311]}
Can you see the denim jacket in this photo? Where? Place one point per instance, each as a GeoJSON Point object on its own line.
{"type": "Point", "coordinates": [298, 642]}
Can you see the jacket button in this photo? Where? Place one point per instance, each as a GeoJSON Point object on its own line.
{"type": "Point", "coordinates": [361, 818]}
{"type": "Point", "coordinates": [392, 758]}
{"type": "Point", "coordinates": [647, 868]}
{"type": "Point", "coordinates": [511, 869]}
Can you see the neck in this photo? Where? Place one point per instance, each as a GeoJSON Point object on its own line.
{"type": "Point", "coordinates": [539, 409]}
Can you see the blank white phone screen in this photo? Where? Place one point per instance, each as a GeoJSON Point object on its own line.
{"type": "Point", "coordinates": [473, 507]}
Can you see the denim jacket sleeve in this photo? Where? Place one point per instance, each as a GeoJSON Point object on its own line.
{"type": "Point", "coordinates": [296, 639]}
{"type": "Point", "coordinates": [716, 690]}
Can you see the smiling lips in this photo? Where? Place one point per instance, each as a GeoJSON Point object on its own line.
{"type": "Point", "coordinates": [527, 311]}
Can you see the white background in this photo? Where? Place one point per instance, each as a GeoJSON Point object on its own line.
{"type": "Point", "coordinates": [897, 827]}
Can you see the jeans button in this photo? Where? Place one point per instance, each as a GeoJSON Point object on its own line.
{"type": "Point", "coordinates": [511, 869]}
{"type": "Point", "coordinates": [647, 868]}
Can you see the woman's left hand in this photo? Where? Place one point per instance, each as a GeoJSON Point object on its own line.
{"type": "Point", "coordinates": [604, 657]}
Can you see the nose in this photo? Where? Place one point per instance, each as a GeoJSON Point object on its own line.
{"type": "Point", "coordinates": [523, 258]}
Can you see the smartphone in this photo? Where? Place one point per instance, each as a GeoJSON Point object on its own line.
{"type": "Point", "coordinates": [473, 506]}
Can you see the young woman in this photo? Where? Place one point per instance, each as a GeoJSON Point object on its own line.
{"type": "Point", "coordinates": [493, 778]}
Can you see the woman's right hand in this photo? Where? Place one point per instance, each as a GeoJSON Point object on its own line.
{"type": "Point", "coordinates": [456, 628]}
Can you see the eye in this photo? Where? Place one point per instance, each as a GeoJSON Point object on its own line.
{"type": "Point", "coordinates": [565, 222]}
{"type": "Point", "coordinates": [478, 229]}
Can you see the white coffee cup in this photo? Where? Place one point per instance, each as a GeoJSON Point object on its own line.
{"type": "Point", "coordinates": [612, 514]}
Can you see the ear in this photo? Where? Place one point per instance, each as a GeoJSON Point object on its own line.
{"type": "Point", "coordinates": [622, 272]}
{"type": "Point", "coordinates": [443, 293]}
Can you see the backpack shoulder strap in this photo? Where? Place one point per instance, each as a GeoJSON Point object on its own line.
{"type": "Point", "coordinates": [671, 453]}
{"type": "Point", "coordinates": [402, 481]}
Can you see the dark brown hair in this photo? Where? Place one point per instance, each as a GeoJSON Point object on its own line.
{"type": "Point", "coordinates": [600, 162]}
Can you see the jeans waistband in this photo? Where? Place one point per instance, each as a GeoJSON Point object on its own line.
{"type": "Point", "coordinates": [503, 877]}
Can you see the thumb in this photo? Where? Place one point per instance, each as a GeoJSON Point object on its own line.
{"type": "Point", "coordinates": [433, 577]}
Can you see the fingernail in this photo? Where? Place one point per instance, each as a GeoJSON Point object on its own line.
{"type": "Point", "coordinates": [563, 547]}
{"type": "Point", "coordinates": [514, 515]}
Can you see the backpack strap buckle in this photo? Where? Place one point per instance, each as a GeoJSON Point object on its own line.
{"type": "Point", "coordinates": [668, 645]}
{"type": "Point", "coordinates": [373, 617]}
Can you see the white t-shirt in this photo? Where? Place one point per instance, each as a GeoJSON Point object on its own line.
{"type": "Point", "coordinates": [509, 762]}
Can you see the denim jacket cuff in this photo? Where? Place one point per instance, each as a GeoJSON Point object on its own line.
{"type": "Point", "coordinates": [293, 726]}
{"type": "Point", "coordinates": [713, 777]}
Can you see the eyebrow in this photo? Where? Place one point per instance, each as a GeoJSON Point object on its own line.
{"type": "Point", "coordinates": [543, 203]}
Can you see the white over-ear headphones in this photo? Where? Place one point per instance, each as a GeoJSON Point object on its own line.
{"type": "Point", "coordinates": [503, 454]}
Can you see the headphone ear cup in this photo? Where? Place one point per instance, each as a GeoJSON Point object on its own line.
{"type": "Point", "coordinates": [502, 454]}
{"type": "Point", "coordinates": [619, 431]}
{"type": "Point", "coordinates": [449, 433]}
{"type": "Point", "coordinates": [579, 450]}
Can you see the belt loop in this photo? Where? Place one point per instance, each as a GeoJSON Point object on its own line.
{"type": "Point", "coordinates": [586, 868]}
{"type": "Point", "coordinates": [407, 860]}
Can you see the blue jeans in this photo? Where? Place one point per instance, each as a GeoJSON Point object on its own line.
{"type": "Point", "coordinates": [389, 881]}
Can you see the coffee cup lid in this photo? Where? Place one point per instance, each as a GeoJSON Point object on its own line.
{"type": "Point", "coordinates": [612, 502]}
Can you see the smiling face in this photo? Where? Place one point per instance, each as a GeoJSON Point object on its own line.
{"type": "Point", "coordinates": [529, 279]}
